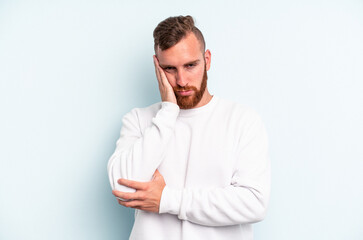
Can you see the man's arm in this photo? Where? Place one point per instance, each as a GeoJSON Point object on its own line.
{"type": "Point", "coordinates": [138, 155]}
{"type": "Point", "coordinates": [147, 196]}
{"type": "Point", "coordinates": [244, 201]}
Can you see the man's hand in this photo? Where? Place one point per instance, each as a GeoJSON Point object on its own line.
{"type": "Point", "coordinates": [166, 90]}
{"type": "Point", "coordinates": [147, 196]}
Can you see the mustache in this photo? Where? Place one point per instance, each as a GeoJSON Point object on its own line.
{"type": "Point", "coordinates": [185, 88]}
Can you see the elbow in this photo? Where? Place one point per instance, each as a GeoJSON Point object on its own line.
{"type": "Point", "coordinates": [257, 213]}
{"type": "Point", "coordinates": [260, 214]}
{"type": "Point", "coordinates": [111, 173]}
{"type": "Point", "coordinates": [257, 206]}
{"type": "Point", "coordinates": [260, 210]}
{"type": "Point", "coordinates": [116, 166]}
{"type": "Point", "coordinates": [114, 170]}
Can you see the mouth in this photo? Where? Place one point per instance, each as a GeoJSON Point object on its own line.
{"type": "Point", "coordinates": [185, 93]}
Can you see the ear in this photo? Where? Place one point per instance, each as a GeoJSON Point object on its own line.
{"type": "Point", "coordinates": [207, 58]}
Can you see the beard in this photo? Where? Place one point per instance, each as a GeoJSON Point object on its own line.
{"type": "Point", "coordinates": [187, 102]}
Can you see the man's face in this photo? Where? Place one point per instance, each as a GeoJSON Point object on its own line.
{"type": "Point", "coordinates": [186, 67]}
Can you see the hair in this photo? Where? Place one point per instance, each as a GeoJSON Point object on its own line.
{"type": "Point", "coordinates": [173, 29]}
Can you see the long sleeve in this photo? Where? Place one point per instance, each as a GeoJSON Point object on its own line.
{"type": "Point", "coordinates": [139, 152]}
{"type": "Point", "coordinates": [244, 201]}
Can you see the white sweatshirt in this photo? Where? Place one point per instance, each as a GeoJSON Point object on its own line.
{"type": "Point", "coordinates": [215, 163]}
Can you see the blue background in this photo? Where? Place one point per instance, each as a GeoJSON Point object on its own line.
{"type": "Point", "coordinates": [69, 71]}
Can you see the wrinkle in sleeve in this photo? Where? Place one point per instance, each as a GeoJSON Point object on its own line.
{"type": "Point", "coordinates": [139, 152]}
{"type": "Point", "coordinates": [244, 201]}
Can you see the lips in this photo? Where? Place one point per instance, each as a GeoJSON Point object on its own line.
{"type": "Point", "coordinates": [185, 93]}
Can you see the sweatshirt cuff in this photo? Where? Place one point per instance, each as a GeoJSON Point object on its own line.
{"type": "Point", "coordinates": [170, 201]}
{"type": "Point", "coordinates": [170, 107]}
{"type": "Point", "coordinates": [167, 115]}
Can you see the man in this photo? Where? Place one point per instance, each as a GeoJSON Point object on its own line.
{"type": "Point", "coordinates": [194, 166]}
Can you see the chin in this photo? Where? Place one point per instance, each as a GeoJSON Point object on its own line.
{"type": "Point", "coordinates": [187, 102]}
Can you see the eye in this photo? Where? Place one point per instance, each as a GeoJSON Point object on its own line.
{"type": "Point", "coordinates": [191, 65]}
{"type": "Point", "coordinates": [169, 69]}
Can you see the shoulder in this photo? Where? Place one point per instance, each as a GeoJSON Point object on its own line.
{"type": "Point", "coordinates": [143, 114]}
{"type": "Point", "coordinates": [241, 111]}
{"type": "Point", "coordinates": [247, 121]}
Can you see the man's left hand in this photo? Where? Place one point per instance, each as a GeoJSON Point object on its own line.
{"type": "Point", "coordinates": [147, 196]}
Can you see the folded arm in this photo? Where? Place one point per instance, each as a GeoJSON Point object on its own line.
{"type": "Point", "coordinates": [244, 201]}
{"type": "Point", "coordinates": [138, 154]}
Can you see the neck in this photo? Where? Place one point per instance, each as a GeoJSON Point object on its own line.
{"type": "Point", "coordinates": [205, 99]}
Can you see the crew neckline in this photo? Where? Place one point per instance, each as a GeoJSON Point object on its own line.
{"type": "Point", "coordinates": [195, 111]}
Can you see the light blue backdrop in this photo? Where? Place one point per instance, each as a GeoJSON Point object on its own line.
{"type": "Point", "coordinates": [70, 70]}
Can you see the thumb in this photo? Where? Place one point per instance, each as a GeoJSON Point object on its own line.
{"type": "Point", "coordinates": [156, 174]}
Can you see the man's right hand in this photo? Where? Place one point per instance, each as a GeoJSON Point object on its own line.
{"type": "Point", "coordinates": [166, 90]}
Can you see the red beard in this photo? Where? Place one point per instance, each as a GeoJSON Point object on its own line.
{"type": "Point", "coordinates": [187, 102]}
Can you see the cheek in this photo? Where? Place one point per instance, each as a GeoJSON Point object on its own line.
{"type": "Point", "coordinates": [198, 75]}
{"type": "Point", "coordinates": [171, 79]}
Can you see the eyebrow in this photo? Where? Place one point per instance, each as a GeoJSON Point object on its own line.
{"type": "Point", "coordinates": [192, 62]}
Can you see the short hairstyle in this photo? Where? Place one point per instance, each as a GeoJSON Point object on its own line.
{"type": "Point", "coordinates": [173, 29]}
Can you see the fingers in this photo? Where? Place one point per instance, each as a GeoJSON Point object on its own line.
{"type": "Point", "coordinates": [139, 195]}
{"type": "Point", "coordinates": [157, 71]}
{"type": "Point", "coordinates": [156, 174]}
{"type": "Point", "coordinates": [132, 204]}
{"type": "Point", "coordinates": [160, 72]}
{"type": "Point", "coordinates": [133, 184]}
{"type": "Point", "coordinates": [156, 61]}
{"type": "Point", "coordinates": [142, 204]}
{"type": "Point", "coordinates": [165, 88]}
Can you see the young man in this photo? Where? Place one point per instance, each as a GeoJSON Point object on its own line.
{"type": "Point", "coordinates": [194, 166]}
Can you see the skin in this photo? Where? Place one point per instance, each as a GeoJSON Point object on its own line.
{"type": "Point", "coordinates": [183, 66]}
{"type": "Point", "coordinates": [180, 67]}
{"type": "Point", "coordinates": [147, 196]}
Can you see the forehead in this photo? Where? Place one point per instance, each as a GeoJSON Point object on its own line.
{"type": "Point", "coordinates": [186, 50]}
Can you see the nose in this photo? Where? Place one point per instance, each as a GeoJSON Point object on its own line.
{"type": "Point", "coordinates": [181, 79]}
